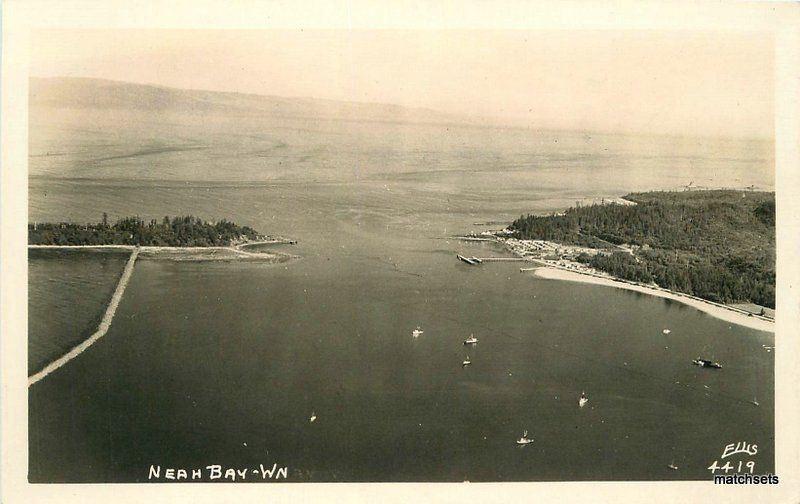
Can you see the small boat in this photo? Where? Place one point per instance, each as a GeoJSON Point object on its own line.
{"type": "Point", "coordinates": [755, 402]}
{"type": "Point", "coordinates": [417, 332]}
{"type": "Point", "coordinates": [666, 331]}
{"type": "Point", "coordinates": [471, 340]}
{"type": "Point", "coordinates": [673, 466]}
{"type": "Point", "coordinates": [524, 439]}
{"type": "Point", "coordinates": [582, 400]}
{"type": "Point", "coordinates": [706, 363]}
{"type": "Point", "coordinates": [468, 260]}
{"type": "Point", "coordinates": [313, 417]}
{"type": "Point", "coordinates": [466, 362]}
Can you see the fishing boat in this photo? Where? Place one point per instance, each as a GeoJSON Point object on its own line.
{"type": "Point", "coordinates": [524, 439]}
{"type": "Point", "coordinates": [582, 400]}
{"type": "Point", "coordinates": [471, 340]}
{"type": "Point", "coordinates": [417, 332]}
{"type": "Point", "coordinates": [706, 363]}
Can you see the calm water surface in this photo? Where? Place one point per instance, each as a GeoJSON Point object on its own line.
{"type": "Point", "coordinates": [224, 363]}
{"type": "Point", "coordinates": [69, 294]}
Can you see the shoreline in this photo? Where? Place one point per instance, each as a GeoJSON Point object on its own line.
{"type": "Point", "coordinates": [716, 310]}
{"type": "Point", "coordinates": [577, 272]}
{"type": "Point", "coordinates": [214, 253]}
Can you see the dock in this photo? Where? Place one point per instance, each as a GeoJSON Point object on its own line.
{"type": "Point", "coordinates": [474, 261]}
{"type": "Point", "coordinates": [475, 239]}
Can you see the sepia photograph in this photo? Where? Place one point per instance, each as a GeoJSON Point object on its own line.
{"type": "Point", "coordinates": [396, 255]}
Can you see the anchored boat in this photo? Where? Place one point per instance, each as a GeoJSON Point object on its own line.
{"type": "Point", "coordinates": [706, 363]}
{"type": "Point", "coordinates": [524, 439]}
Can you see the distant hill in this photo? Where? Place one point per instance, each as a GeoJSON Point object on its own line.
{"type": "Point", "coordinates": [87, 93]}
{"type": "Point", "coordinates": [94, 129]}
{"type": "Point", "coordinates": [101, 129]}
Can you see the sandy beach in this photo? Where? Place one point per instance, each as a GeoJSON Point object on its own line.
{"type": "Point", "coordinates": [713, 309]}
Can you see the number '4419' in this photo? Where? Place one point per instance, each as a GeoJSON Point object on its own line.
{"type": "Point", "coordinates": [750, 466]}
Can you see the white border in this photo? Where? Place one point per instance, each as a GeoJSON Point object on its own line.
{"type": "Point", "coordinates": [20, 16]}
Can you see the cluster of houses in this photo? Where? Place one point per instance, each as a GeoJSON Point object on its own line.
{"type": "Point", "coordinates": [564, 256]}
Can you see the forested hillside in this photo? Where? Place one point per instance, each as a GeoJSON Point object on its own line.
{"type": "Point", "coordinates": [718, 245]}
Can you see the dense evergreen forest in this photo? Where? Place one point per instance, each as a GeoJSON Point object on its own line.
{"type": "Point", "coordinates": [185, 231]}
{"type": "Point", "coordinates": [718, 245]}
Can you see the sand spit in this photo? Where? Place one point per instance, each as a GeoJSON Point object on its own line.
{"type": "Point", "coordinates": [212, 254]}
{"type": "Point", "coordinates": [231, 253]}
{"type": "Point", "coordinates": [716, 310]}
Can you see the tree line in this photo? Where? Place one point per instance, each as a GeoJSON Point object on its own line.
{"type": "Point", "coordinates": [185, 231]}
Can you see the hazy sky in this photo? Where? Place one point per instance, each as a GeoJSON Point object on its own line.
{"type": "Point", "coordinates": [707, 83]}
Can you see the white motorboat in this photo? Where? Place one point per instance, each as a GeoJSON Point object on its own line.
{"type": "Point", "coordinates": [524, 439]}
{"type": "Point", "coordinates": [313, 417]}
{"type": "Point", "coordinates": [666, 331]}
{"type": "Point", "coordinates": [471, 340]}
{"type": "Point", "coordinates": [417, 332]}
{"type": "Point", "coordinates": [466, 362]}
{"type": "Point", "coordinates": [582, 400]}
